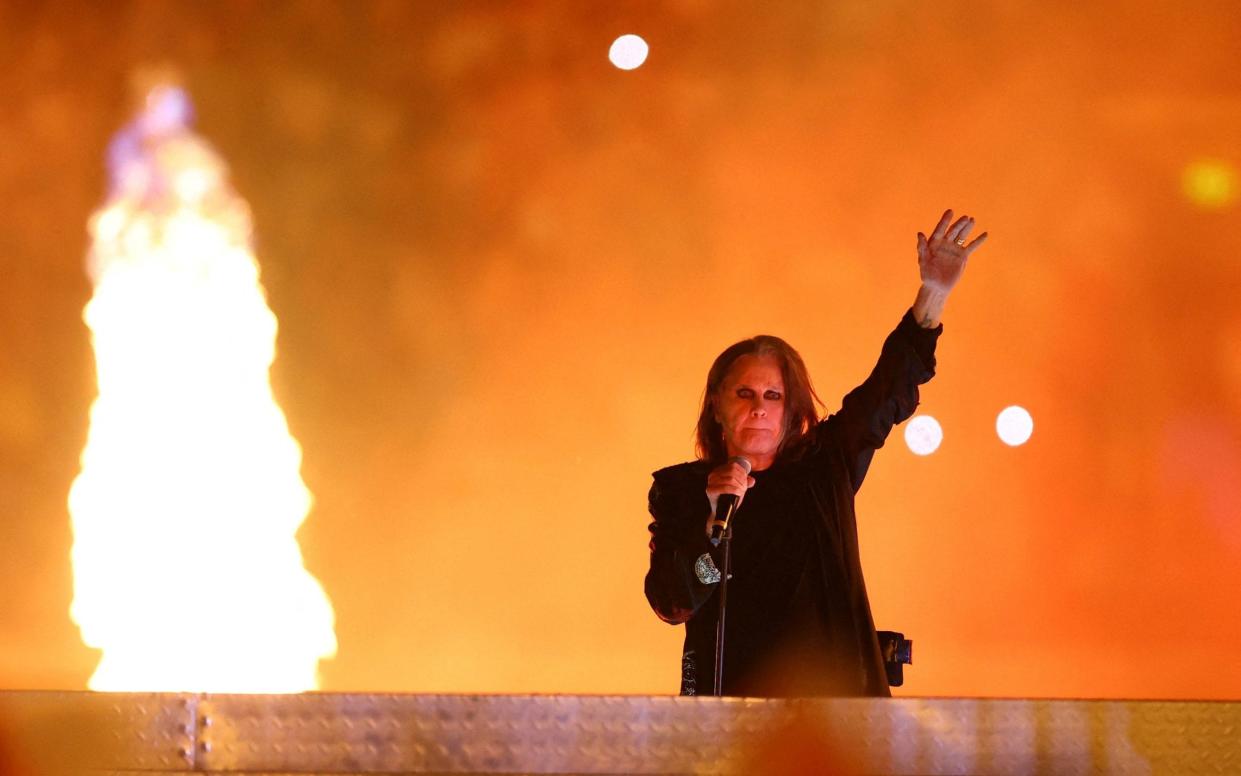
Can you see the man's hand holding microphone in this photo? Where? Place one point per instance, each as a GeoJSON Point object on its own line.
{"type": "Point", "coordinates": [726, 487]}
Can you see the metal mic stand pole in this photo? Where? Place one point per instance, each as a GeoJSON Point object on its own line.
{"type": "Point", "coordinates": [719, 624]}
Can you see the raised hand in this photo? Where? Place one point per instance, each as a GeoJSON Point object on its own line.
{"type": "Point", "coordinates": [942, 257]}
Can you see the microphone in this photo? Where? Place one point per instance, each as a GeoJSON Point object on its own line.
{"type": "Point", "coordinates": [726, 505]}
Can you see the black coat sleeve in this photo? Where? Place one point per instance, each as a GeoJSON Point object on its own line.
{"type": "Point", "coordinates": [679, 509]}
{"type": "Point", "coordinates": [887, 397]}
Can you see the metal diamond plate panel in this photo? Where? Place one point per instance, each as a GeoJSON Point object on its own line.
{"type": "Point", "coordinates": [474, 734]}
{"type": "Point", "coordinates": [70, 732]}
{"type": "Point", "coordinates": [356, 734]}
{"type": "Point", "coordinates": [571, 734]}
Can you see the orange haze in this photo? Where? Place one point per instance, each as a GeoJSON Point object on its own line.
{"type": "Point", "coordinates": [502, 266]}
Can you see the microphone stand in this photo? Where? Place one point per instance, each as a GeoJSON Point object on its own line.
{"type": "Point", "coordinates": [726, 540]}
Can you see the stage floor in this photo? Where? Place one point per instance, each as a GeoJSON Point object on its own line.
{"type": "Point", "coordinates": [131, 733]}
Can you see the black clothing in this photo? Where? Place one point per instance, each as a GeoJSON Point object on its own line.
{"type": "Point", "coordinates": [799, 622]}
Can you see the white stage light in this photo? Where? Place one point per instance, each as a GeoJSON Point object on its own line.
{"type": "Point", "coordinates": [1014, 425]}
{"type": "Point", "coordinates": [628, 52]}
{"type": "Point", "coordinates": [923, 435]}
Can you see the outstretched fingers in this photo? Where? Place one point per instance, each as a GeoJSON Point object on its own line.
{"type": "Point", "coordinates": [964, 230]}
{"type": "Point", "coordinates": [959, 229]}
{"type": "Point", "coordinates": [973, 246]}
{"type": "Point", "coordinates": [942, 226]}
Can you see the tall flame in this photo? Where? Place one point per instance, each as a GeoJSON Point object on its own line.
{"type": "Point", "coordinates": [187, 571]}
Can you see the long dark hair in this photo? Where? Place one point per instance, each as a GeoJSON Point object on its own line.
{"type": "Point", "coordinates": [800, 400]}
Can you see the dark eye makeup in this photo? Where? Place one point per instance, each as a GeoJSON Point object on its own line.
{"type": "Point", "coordinates": [746, 393]}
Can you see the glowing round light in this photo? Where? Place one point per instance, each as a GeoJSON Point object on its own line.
{"type": "Point", "coordinates": [1210, 184]}
{"type": "Point", "coordinates": [628, 52]}
{"type": "Point", "coordinates": [1014, 425]}
{"type": "Point", "coordinates": [923, 435]}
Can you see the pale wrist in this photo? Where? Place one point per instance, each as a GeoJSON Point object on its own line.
{"type": "Point", "coordinates": [929, 306]}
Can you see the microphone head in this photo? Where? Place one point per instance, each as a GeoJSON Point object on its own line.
{"type": "Point", "coordinates": [743, 462]}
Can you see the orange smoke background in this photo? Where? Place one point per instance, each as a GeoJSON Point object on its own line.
{"type": "Point", "coordinates": [501, 268]}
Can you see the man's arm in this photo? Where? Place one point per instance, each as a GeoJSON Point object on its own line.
{"type": "Point", "coordinates": [683, 573]}
{"type": "Point", "coordinates": [890, 394]}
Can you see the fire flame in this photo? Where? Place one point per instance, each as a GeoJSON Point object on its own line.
{"type": "Point", "coordinates": [187, 571]}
